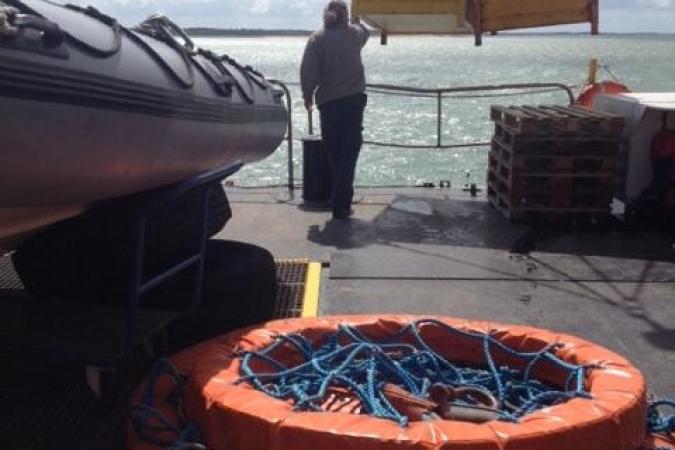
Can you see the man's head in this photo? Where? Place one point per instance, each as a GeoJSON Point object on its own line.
{"type": "Point", "coordinates": [335, 14]}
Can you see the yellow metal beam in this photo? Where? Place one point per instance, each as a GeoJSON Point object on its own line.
{"type": "Point", "coordinates": [412, 16]}
{"type": "Point", "coordinates": [512, 14]}
{"type": "Point", "coordinates": [310, 301]}
{"type": "Point", "coordinates": [452, 16]}
{"type": "Point", "coordinates": [365, 7]}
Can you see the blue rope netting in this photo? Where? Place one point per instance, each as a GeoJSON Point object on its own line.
{"type": "Point", "coordinates": [658, 422]}
{"type": "Point", "coordinates": [350, 360]}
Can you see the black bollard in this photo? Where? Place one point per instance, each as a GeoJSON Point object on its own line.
{"type": "Point", "coordinates": [316, 173]}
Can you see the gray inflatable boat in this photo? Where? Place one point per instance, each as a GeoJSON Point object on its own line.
{"type": "Point", "coordinates": [91, 110]}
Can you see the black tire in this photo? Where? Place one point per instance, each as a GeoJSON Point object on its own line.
{"type": "Point", "coordinates": [239, 290]}
{"type": "Point", "coordinates": [87, 259]}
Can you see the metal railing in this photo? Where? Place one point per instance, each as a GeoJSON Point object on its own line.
{"type": "Point", "coordinates": [289, 133]}
{"type": "Point", "coordinates": [439, 94]}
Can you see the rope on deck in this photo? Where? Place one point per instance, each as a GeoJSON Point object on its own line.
{"type": "Point", "coordinates": [658, 422]}
{"type": "Point", "coordinates": [152, 426]}
{"type": "Point", "coordinates": [349, 360]}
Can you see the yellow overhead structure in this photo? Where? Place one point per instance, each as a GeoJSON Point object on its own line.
{"type": "Point", "coordinates": [413, 16]}
{"type": "Point", "coordinates": [477, 16]}
{"type": "Point", "coordinates": [498, 15]}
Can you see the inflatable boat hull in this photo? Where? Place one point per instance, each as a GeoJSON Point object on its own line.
{"type": "Point", "coordinates": [91, 111]}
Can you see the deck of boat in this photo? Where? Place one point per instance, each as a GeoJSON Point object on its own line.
{"type": "Point", "coordinates": [441, 252]}
{"type": "Point", "coordinates": [419, 251]}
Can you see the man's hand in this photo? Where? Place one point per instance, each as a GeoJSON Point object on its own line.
{"type": "Point", "coordinates": [309, 104]}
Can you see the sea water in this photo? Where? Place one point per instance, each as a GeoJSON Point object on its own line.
{"type": "Point", "coordinates": [646, 63]}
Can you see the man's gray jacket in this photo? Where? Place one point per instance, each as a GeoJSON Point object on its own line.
{"type": "Point", "coordinates": [331, 66]}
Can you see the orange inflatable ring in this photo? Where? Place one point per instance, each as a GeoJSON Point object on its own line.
{"type": "Point", "coordinates": [235, 416]}
{"type": "Point", "coordinates": [590, 91]}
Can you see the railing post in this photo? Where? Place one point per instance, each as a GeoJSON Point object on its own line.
{"type": "Point", "coordinates": [289, 135]}
{"type": "Point", "coordinates": [310, 121]}
{"type": "Point", "coordinates": [439, 120]}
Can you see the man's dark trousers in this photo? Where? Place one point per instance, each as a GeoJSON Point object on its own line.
{"type": "Point", "coordinates": [342, 134]}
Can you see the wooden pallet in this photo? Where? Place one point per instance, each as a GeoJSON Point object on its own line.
{"type": "Point", "coordinates": [553, 161]}
{"type": "Point", "coordinates": [553, 165]}
{"type": "Point", "coordinates": [546, 192]}
{"type": "Point", "coordinates": [557, 214]}
{"type": "Point", "coordinates": [564, 176]}
{"type": "Point", "coordinates": [557, 196]}
{"type": "Point", "coordinates": [535, 182]}
{"type": "Point", "coordinates": [572, 120]}
{"type": "Point", "coordinates": [558, 144]}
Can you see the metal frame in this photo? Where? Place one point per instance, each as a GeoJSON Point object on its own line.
{"type": "Point", "coordinates": [439, 94]}
{"type": "Point", "coordinates": [138, 285]}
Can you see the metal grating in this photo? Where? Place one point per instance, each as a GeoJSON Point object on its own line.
{"type": "Point", "coordinates": [9, 280]}
{"type": "Point", "coordinates": [47, 405]}
{"type": "Point", "coordinates": [292, 275]}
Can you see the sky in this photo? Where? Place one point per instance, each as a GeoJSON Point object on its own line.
{"type": "Point", "coordinates": [617, 16]}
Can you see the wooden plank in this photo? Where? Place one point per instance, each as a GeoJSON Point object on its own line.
{"type": "Point", "coordinates": [562, 121]}
{"type": "Point", "coordinates": [507, 14]}
{"type": "Point", "coordinates": [512, 168]}
{"type": "Point", "coordinates": [519, 120]}
{"type": "Point", "coordinates": [565, 112]}
{"type": "Point", "coordinates": [555, 120]}
{"type": "Point", "coordinates": [554, 145]}
{"type": "Point", "coordinates": [616, 124]}
{"type": "Point", "coordinates": [613, 125]}
{"type": "Point", "coordinates": [421, 7]}
{"type": "Point", "coordinates": [581, 122]}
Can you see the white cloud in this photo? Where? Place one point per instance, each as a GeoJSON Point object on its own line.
{"type": "Point", "coordinates": [260, 7]}
{"type": "Point", "coordinates": [656, 3]}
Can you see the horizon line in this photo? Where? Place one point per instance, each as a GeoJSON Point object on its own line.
{"type": "Point", "coordinates": [210, 29]}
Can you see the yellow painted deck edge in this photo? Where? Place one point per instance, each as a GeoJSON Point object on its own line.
{"type": "Point", "coordinates": [310, 301]}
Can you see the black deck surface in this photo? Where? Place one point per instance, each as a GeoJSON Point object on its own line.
{"type": "Point", "coordinates": [420, 238]}
{"type": "Point", "coordinates": [45, 402]}
{"type": "Point", "coordinates": [427, 252]}
{"type": "Point", "coordinates": [437, 252]}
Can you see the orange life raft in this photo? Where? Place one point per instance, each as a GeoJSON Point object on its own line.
{"type": "Point", "coordinates": [592, 90]}
{"type": "Point", "coordinates": [235, 416]}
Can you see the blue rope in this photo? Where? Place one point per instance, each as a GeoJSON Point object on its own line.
{"type": "Point", "coordinates": [147, 421]}
{"type": "Point", "coordinates": [348, 359]}
{"type": "Point", "coordinates": [657, 422]}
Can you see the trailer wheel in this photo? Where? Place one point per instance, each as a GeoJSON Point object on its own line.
{"type": "Point", "coordinates": [239, 289]}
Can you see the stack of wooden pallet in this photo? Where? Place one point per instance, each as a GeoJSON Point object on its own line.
{"type": "Point", "coordinates": [553, 161]}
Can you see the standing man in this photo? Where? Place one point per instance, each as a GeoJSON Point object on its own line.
{"type": "Point", "coordinates": [333, 73]}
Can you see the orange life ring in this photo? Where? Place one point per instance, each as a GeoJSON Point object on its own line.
{"type": "Point", "coordinates": [590, 91]}
{"type": "Point", "coordinates": [235, 416]}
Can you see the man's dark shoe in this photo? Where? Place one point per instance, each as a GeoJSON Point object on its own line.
{"type": "Point", "coordinates": [342, 214]}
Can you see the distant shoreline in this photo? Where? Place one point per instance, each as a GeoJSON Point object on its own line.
{"type": "Point", "coordinates": [222, 32]}
{"type": "Point", "coordinates": [255, 32]}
